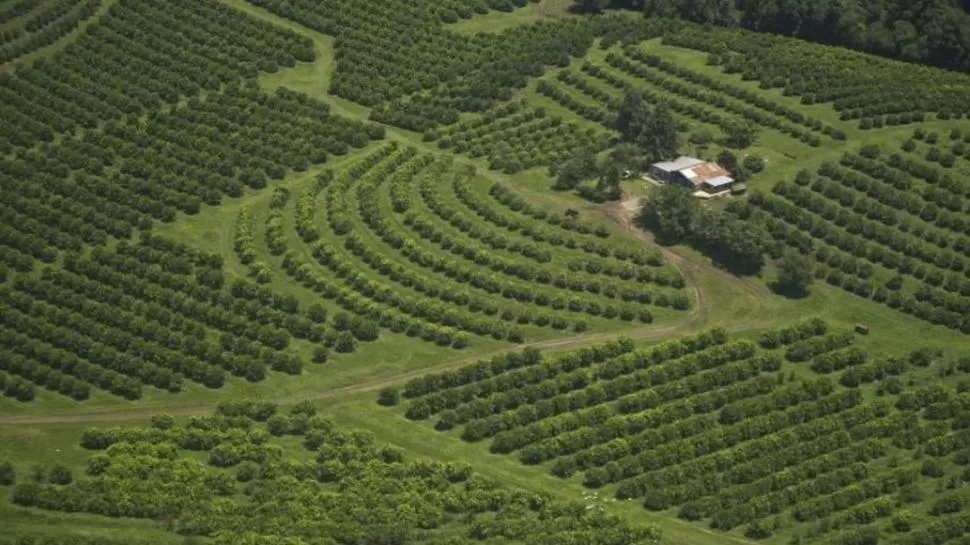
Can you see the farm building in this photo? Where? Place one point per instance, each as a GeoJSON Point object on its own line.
{"type": "Point", "coordinates": [696, 174]}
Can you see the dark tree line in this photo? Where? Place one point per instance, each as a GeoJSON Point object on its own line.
{"type": "Point", "coordinates": [935, 32]}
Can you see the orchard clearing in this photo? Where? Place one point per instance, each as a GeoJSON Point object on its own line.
{"type": "Point", "coordinates": [271, 228]}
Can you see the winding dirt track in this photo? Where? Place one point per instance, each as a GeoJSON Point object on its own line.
{"type": "Point", "coordinates": [621, 213]}
{"type": "Point", "coordinates": [643, 334]}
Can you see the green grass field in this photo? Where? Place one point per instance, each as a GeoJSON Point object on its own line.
{"type": "Point", "coordinates": [48, 429]}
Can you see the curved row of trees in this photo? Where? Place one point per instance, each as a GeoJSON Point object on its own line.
{"type": "Point", "coordinates": [681, 82]}
{"type": "Point", "coordinates": [41, 28]}
{"type": "Point", "coordinates": [141, 56]}
{"type": "Point", "coordinates": [545, 227]}
{"type": "Point", "coordinates": [112, 182]}
{"type": "Point", "coordinates": [778, 109]}
{"type": "Point", "coordinates": [435, 75]}
{"type": "Point", "coordinates": [845, 78]}
{"type": "Point", "coordinates": [146, 314]}
{"type": "Point", "coordinates": [915, 209]}
{"type": "Point", "coordinates": [386, 258]}
{"type": "Point", "coordinates": [710, 427]}
{"type": "Point", "coordinates": [879, 220]}
{"type": "Point", "coordinates": [520, 141]}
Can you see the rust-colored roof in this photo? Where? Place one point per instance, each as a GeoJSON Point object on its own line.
{"type": "Point", "coordinates": [706, 171]}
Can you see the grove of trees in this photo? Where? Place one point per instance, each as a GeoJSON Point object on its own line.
{"type": "Point", "coordinates": [881, 227]}
{"type": "Point", "coordinates": [929, 31]}
{"type": "Point", "coordinates": [711, 429]}
{"type": "Point", "coordinates": [675, 216]}
{"type": "Point", "coordinates": [350, 487]}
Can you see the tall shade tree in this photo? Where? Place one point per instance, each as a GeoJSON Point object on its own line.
{"type": "Point", "coordinates": [633, 115]}
{"type": "Point", "coordinates": [574, 171]}
{"type": "Point", "coordinates": [796, 272]}
{"type": "Point", "coordinates": [740, 134]}
{"type": "Point", "coordinates": [658, 140]}
{"type": "Point", "coordinates": [670, 213]}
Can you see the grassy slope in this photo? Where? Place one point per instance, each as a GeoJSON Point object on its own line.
{"type": "Point", "coordinates": [744, 305]}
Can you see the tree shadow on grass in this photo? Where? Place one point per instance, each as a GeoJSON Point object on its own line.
{"type": "Point", "coordinates": [789, 292]}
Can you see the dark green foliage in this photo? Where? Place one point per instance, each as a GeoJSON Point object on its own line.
{"type": "Point", "coordinates": [590, 6]}
{"type": "Point", "coordinates": [670, 213]}
{"type": "Point", "coordinates": [17, 388]}
{"type": "Point", "coordinates": [435, 75]}
{"type": "Point", "coordinates": [796, 273]}
{"type": "Point", "coordinates": [40, 29]}
{"type": "Point", "coordinates": [345, 342]}
{"type": "Point", "coordinates": [758, 530]}
{"type": "Point", "coordinates": [59, 474]}
{"type": "Point", "coordinates": [575, 170]}
{"type": "Point", "coordinates": [608, 186]}
{"type": "Point", "coordinates": [247, 471]}
{"type": "Point", "coordinates": [727, 159]}
{"type": "Point", "coordinates": [320, 354]}
{"type": "Point", "coordinates": [740, 134]}
{"type": "Point", "coordinates": [7, 474]}
{"type": "Point", "coordinates": [259, 411]}
{"type": "Point", "coordinates": [924, 357]}
{"type": "Point", "coordinates": [369, 485]}
{"type": "Point", "coordinates": [798, 332]}
{"type": "Point", "coordinates": [626, 156]}
{"type": "Point", "coordinates": [317, 313]}
{"type": "Point", "coordinates": [932, 468]}
{"type": "Point", "coordinates": [807, 349]}
{"type": "Point", "coordinates": [145, 313]}
{"type": "Point", "coordinates": [676, 216]}
{"type": "Point", "coordinates": [81, 539]}
{"type": "Point", "coordinates": [652, 130]}
{"type": "Point", "coordinates": [886, 27]}
{"type": "Point", "coordinates": [633, 116]}
{"type": "Point", "coordinates": [738, 245]}
{"type": "Point", "coordinates": [163, 421]}
{"type": "Point", "coordinates": [865, 215]}
{"type": "Point", "coordinates": [389, 397]}
{"type": "Point", "coordinates": [754, 163]}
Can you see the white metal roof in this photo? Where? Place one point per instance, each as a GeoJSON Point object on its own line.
{"type": "Point", "coordinates": [719, 181]}
{"type": "Point", "coordinates": [679, 163]}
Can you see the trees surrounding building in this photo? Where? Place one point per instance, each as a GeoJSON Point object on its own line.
{"type": "Point", "coordinates": [676, 216]}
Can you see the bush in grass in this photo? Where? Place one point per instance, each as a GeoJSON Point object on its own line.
{"type": "Point", "coordinates": [389, 397]}
{"type": "Point", "coordinates": [754, 163]}
{"type": "Point", "coordinates": [7, 474]}
{"type": "Point", "coordinates": [320, 354]}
